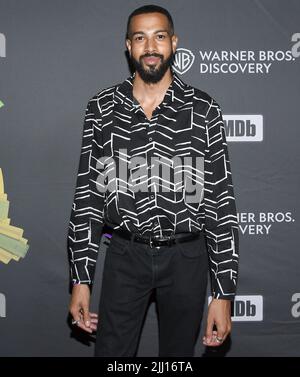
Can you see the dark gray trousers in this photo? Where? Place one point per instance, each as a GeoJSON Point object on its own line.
{"type": "Point", "coordinates": [176, 274]}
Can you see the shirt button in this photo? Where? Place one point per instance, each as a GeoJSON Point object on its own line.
{"type": "Point", "coordinates": [152, 196]}
{"type": "Point", "coordinates": [150, 138]}
{"type": "Point", "coordinates": [156, 223]}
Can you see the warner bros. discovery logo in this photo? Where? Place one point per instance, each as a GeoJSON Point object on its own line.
{"type": "Point", "coordinates": [183, 60]}
{"type": "Point", "coordinates": [246, 308]}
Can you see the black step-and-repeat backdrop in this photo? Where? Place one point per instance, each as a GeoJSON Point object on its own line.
{"type": "Point", "coordinates": [54, 55]}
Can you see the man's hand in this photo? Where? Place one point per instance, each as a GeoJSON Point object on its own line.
{"type": "Point", "coordinates": [79, 308]}
{"type": "Point", "coordinates": [219, 314]}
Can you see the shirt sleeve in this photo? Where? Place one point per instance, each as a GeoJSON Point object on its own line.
{"type": "Point", "coordinates": [221, 226]}
{"type": "Point", "coordinates": [86, 221]}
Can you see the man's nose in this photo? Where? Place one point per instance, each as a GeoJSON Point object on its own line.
{"type": "Point", "coordinates": [150, 46]}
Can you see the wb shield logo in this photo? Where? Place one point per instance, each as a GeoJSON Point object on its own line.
{"type": "Point", "coordinates": [183, 60]}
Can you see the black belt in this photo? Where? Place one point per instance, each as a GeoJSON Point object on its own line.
{"type": "Point", "coordinates": [154, 241]}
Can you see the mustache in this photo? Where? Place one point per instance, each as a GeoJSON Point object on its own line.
{"type": "Point", "coordinates": [152, 56]}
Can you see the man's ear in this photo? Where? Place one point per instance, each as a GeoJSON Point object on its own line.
{"type": "Point", "coordinates": [128, 45]}
{"type": "Point", "coordinates": [174, 43]}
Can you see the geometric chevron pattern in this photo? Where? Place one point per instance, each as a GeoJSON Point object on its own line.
{"type": "Point", "coordinates": [119, 141]}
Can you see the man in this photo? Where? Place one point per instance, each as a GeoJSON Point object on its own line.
{"type": "Point", "coordinates": [164, 238]}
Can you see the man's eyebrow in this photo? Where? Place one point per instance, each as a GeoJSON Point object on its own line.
{"type": "Point", "coordinates": [157, 31]}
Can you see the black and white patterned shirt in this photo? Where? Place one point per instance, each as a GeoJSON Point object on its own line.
{"type": "Point", "coordinates": [188, 123]}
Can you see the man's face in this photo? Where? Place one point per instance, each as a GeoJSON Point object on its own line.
{"type": "Point", "coordinates": [151, 46]}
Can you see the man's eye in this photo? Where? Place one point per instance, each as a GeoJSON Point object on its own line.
{"type": "Point", "coordinates": [161, 36]}
{"type": "Point", "coordinates": [139, 38]}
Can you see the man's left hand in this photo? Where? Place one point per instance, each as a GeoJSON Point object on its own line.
{"type": "Point", "coordinates": [219, 314]}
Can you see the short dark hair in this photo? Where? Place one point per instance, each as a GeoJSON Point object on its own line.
{"type": "Point", "coordinates": [150, 9]}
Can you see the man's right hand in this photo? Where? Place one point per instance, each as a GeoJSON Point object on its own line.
{"type": "Point", "coordinates": [79, 308]}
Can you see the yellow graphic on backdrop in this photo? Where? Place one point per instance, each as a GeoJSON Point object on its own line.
{"type": "Point", "coordinates": [12, 244]}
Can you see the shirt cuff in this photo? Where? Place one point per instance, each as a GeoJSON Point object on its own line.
{"type": "Point", "coordinates": [223, 288]}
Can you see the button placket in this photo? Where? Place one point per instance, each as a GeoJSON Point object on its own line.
{"type": "Point", "coordinates": [151, 126]}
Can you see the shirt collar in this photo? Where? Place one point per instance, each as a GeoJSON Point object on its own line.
{"type": "Point", "coordinates": [174, 95]}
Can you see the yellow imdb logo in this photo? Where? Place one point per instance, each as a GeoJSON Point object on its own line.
{"type": "Point", "coordinates": [12, 244]}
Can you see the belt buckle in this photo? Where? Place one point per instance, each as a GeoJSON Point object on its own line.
{"type": "Point", "coordinates": [167, 238]}
{"type": "Point", "coordinates": [152, 239]}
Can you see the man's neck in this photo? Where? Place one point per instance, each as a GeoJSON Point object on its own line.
{"type": "Point", "coordinates": [151, 92]}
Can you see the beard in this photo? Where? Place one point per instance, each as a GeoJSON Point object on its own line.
{"type": "Point", "coordinates": [152, 74]}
